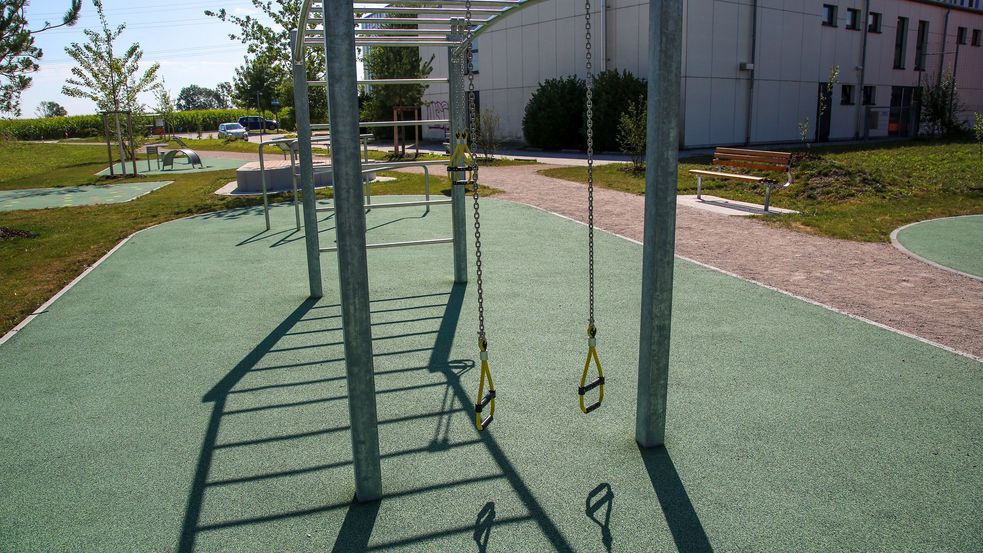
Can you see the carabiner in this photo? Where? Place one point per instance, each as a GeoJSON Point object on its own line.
{"type": "Point", "coordinates": [597, 382]}
{"type": "Point", "coordinates": [486, 398]}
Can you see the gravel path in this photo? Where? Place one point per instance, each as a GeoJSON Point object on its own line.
{"type": "Point", "coordinates": [872, 280]}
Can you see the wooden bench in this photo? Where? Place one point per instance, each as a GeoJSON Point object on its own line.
{"type": "Point", "coordinates": [757, 160]}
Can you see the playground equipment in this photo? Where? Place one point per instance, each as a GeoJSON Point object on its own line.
{"type": "Point", "coordinates": [454, 24]}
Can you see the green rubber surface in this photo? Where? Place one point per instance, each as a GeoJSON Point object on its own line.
{"type": "Point", "coordinates": [69, 196]}
{"type": "Point", "coordinates": [955, 242]}
{"type": "Point", "coordinates": [186, 395]}
{"type": "Point", "coordinates": [180, 166]}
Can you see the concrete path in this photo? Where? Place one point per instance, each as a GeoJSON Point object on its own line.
{"type": "Point", "coordinates": [872, 280]}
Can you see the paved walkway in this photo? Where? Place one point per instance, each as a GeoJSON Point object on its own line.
{"type": "Point", "coordinates": [872, 280]}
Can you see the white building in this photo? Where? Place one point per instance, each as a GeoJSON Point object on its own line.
{"type": "Point", "coordinates": [752, 69]}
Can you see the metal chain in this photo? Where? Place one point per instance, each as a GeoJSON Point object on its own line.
{"type": "Point", "coordinates": [472, 128]}
{"type": "Point", "coordinates": [590, 168]}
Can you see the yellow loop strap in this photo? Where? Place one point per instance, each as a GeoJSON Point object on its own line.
{"type": "Point", "coordinates": [486, 398]}
{"type": "Point", "coordinates": [596, 383]}
{"type": "Point", "coordinates": [462, 156]}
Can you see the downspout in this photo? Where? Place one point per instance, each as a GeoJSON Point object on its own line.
{"type": "Point", "coordinates": [945, 37]}
{"type": "Point", "coordinates": [604, 34]}
{"type": "Point", "coordinates": [861, 120]}
{"type": "Point", "coordinates": [750, 92]}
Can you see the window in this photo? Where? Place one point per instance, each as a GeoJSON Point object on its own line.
{"type": "Point", "coordinates": [900, 43]}
{"type": "Point", "coordinates": [474, 56]}
{"type": "Point", "coordinates": [853, 19]}
{"type": "Point", "coordinates": [874, 22]}
{"type": "Point", "coordinates": [846, 95]}
{"type": "Point", "coordinates": [870, 92]}
{"type": "Point", "coordinates": [829, 15]}
{"type": "Point", "coordinates": [921, 46]}
{"type": "Point", "coordinates": [976, 37]}
{"type": "Point", "coordinates": [961, 35]}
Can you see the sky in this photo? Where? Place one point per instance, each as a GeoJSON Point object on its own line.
{"type": "Point", "coordinates": [191, 47]}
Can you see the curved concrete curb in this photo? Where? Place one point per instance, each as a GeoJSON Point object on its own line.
{"type": "Point", "coordinates": [897, 244]}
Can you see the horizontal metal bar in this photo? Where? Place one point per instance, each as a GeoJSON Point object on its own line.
{"type": "Point", "coordinates": [461, 12]}
{"type": "Point", "coordinates": [370, 124]}
{"type": "Point", "coordinates": [377, 82]}
{"type": "Point", "coordinates": [397, 244]}
{"type": "Point", "coordinates": [392, 204]}
{"type": "Point", "coordinates": [393, 42]}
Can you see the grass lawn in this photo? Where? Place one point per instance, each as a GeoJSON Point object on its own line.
{"type": "Point", "coordinates": [70, 239]}
{"type": "Point", "coordinates": [857, 192]}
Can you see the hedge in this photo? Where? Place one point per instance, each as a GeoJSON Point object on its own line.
{"type": "Point", "coordinates": [554, 114]}
{"type": "Point", "coordinates": [84, 126]}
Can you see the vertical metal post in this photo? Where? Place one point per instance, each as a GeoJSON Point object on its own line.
{"type": "Point", "coordinates": [665, 45]}
{"type": "Point", "coordinates": [262, 180]}
{"type": "Point", "coordinates": [293, 182]}
{"type": "Point", "coordinates": [302, 113]}
{"type": "Point", "coordinates": [353, 274]}
{"type": "Point", "coordinates": [455, 101]}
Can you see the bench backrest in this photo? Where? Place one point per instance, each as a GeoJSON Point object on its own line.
{"type": "Point", "coordinates": [760, 160]}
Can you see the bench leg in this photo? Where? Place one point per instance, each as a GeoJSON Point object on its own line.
{"type": "Point", "coordinates": [767, 196]}
{"type": "Point", "coordinates": [699, 187]}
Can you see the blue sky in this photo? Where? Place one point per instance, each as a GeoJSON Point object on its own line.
{"type": "Point", "coordinates": [190, 47]}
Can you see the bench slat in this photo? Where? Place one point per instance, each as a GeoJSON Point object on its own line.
{"type": "Point", "coordinates": [742, 164]}
{"type": "Point", "coordinates": [760, 159]}
{"type": "Point", "coordinates": [744, 151]}
{"type": "Point", "coordinates": [748, 178]}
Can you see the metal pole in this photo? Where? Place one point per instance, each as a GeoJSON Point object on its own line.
{"type": "Point", "coordinates": [133, 144]}
{"type": "Point", "coordinates": [353, 274]}
{"type": "Point", "coordinates": [293, 183]}
{"type": "Point", "coordinates": [665, 45]}
{"type": "Point", "coordinates": [302, 113]}
{"type": "Point", "coordinates": [262, 180]}
{"type": "Point", "coordinates": [458, 209]}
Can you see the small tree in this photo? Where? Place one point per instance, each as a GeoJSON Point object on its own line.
{"type": "Point", "coordinates": [941, 106]}
{"type": "Point", "coordinates": [978, 131]}
{"type": "Point", "coordinates": [633, 132]}
{"type": "Point", "coordinates": [112, 82]}
{"type": "Point", "coordinates": [391, 63]}
{"type": "Point", "coordinates": [804, 131]}
{"type": "Point", "coordinates": [19, 56]}
{"type": "Point", "coordinates": [51, 109]}
{"type": "Point", "coordinates": [831, 81]}
{"type": "Point", "coordinates": [165, 106]}
{"type": "Point", "coordinates": [488, 140]}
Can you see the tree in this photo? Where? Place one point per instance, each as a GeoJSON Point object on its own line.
{"type": "Point", "coordinates": [165, 105]}
{"type": "Point", "coordinates": [51, 109]}
{"type": "Point", "coordinates": [393, 63]}
{"type": "Point", "coordinates": [941, 106]}
{"type": "Point", "coordinates": [112, 82]}
{"type": "Point", "coordinates": [224, 91]}
{"type": "Point", "coordinates": [613, 91]}
{"type": "Point", "coordinates": [633, 132]}
{"type": "Point", "coordinates": [18, 55]}
{"type": "Point", "coordinates": [268, 42]}
{"type": "Point", "coordinates": [256, 75]}
{"type": "Point", "coordinates": [199, 97]}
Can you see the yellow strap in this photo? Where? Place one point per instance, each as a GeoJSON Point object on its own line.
{"type": "Point", "coordinates": [462, 156]}
{"type": "Point", "coordinates": [485, 374]}
{"type": "Point", "coordinates": [592, 354]}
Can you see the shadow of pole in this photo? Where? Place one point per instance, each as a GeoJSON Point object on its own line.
{"type": "Point", "coordinates": [606, 502]}
{"type": "Point", "coordinates": [357, 527]}
{"type": "Point", "coordinates": [684, 524]}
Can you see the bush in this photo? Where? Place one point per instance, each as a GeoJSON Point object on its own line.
{"type": "Point", "coordinates": [613, 92]}
{"type": "Point", "coordinates": [85, 126]}
{"type": "Point", "coordinates": [554, 114]}
{"type": "Point", "coordinates": [633, 132]}
{"type": "Point", "coordinates": [488, 140]}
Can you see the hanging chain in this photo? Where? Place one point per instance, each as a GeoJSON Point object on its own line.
{"type": "Point", "coordinates": [590, 169]}
{"type": "Point", "coordinates": [472, 128]}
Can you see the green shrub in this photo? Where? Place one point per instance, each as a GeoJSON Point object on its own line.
{"type": "Point", "coordinates": [613, 92]}
{"type": "Point", "coordinates": [554, 114]}
{"type": "Point", "coordinates": [633, 132]}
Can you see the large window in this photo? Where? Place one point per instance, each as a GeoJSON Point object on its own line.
{"type": "Point", "coordinates": [874, 22]}
{"type": "Point", "coordinates": [921, 46]}
{"type": "Point", "coordinates": [829, 15]}
{"type": "Point", "coordinates": [853, 19]}
{"type": "Point", "coordinates": [961, 35]}
{"type": "Point", "coordinates": [901, 43]}
{"type": "Point", "coordinates": [976, 37]}
{"type": "Point", "coordinates": [846, 95]}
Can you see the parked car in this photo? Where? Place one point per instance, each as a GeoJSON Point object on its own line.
{"type": "Point", "coordinates": [256, 123]}
{"type": "Point", "coordinates": [234, 131]}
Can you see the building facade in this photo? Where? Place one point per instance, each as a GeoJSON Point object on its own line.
{"type": "Point", "coordinates": [753, 70]}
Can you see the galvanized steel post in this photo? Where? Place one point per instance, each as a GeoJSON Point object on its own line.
{"type": "Point", "coordinates": [665, 44]}
{"type": "Point", "coordinates": [353, 275]}
{"type": "Point", "coordinates": [456, 116]}
{"type": "Point", "coordinates": [303, 115]}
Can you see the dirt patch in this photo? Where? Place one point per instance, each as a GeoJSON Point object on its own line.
{"type": "Point", "coordinates": [11, 233]}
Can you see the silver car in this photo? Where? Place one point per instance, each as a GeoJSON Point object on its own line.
{"type": "Point", "coordinates": [234, 131]}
